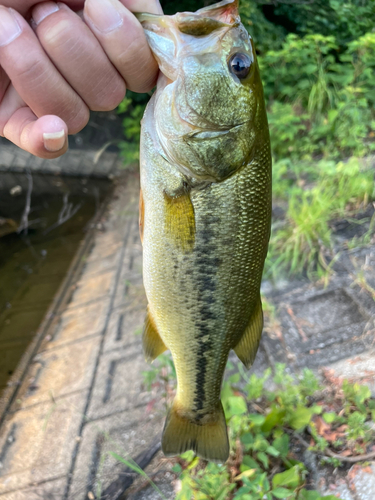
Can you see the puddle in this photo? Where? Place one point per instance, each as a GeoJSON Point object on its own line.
{"type": "Point", "coordinates": [34, 261]}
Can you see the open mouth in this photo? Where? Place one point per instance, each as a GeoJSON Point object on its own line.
{"type": "Point", "coordinates": [214, 134]}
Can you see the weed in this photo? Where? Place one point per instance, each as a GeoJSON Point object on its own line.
{"type": "Point", "coordinates": [262, 464]}
{"type": "Point", "coordinates": [305, 238]}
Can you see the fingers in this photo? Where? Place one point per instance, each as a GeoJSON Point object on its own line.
{"type": "Point", "coordinates": [123, 40]}
{"type": "Point", "coordinates": [151, 6]}
{"type": "Point", "coordinates": [78, 56]}
{"type": "Point", "coordinates": [24, 6]}
{"type": "Point", "coordinates": [34, 76]}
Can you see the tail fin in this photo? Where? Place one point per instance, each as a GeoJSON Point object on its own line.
{"type": "Point", "coordinates": [208, 438]}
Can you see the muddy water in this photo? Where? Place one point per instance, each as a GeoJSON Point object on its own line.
{"type": "Point", "coordinates": [34, 261]}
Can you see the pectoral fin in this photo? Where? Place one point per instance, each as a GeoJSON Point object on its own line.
{"type": "Point", "coordinates": [247, 347]}
{"type": "Point", "coordinates": [180, 221]}
{"type": "Point", "coordinates": [153, 346]}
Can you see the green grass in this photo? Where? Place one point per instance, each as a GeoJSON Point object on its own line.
{"type": "Point", "coordinates": [264, 428]}
{"type": "Point", "coordinates": [316, 195]}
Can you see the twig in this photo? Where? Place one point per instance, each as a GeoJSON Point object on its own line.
{"type": "Point", "coordinates": [24, 224]}
{"type": "Point", "coordinates": [330, 454]}
{"type": "Point", "coordinates": [127, 476]}
{"type": "Point", "coordinates": [296, 321]}
{"type": "Point", "coordinates": [67, 212]}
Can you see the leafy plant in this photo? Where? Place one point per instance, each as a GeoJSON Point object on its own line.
{"type": "Point", "coordinates": [263, 464]}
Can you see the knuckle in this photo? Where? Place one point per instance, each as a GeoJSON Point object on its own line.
{"type": "Point", "coordinates": [109, 98]}
{"type": "Point", "coordinates": [77, 121]}
{"type": "Point", "coordinates": [29, 70]}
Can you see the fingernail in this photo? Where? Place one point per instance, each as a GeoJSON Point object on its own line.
{"type": "Point", "coordinates": [54, 141]}
{"type": "Point", "coordinates": [104, 14]}
{"type": "Point", "coordinates": [44, 10]}
{"type": "Point", "coordinates": [9, 27]}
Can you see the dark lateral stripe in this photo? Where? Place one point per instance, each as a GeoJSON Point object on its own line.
{"type": "Point", "coordinates": [207, 263]}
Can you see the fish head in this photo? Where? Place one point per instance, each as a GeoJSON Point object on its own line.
{"type": "Point", "coordinates": [209, 105]}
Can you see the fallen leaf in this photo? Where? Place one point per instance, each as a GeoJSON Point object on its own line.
{"type": "Point", "coordinates": [325, 430]}
{"type": "Point", "coordinates": [367, 469]}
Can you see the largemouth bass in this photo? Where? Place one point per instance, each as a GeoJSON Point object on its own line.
{"type": "Point", "coordinates": [205, 210]}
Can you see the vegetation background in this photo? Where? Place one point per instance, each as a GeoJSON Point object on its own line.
{"type": "Point", "coordinates": [317, 61]}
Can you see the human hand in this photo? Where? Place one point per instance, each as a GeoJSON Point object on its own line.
{"type": "Point", "coordinates": [56, 68]}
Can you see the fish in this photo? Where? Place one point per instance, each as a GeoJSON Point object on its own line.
{"type": "Point", "coordinates": [205, 212]}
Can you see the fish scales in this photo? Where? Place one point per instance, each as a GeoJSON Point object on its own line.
{"type": "Point", "coordinates": [205, 213]}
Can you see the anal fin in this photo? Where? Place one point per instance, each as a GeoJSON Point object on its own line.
{"type": "Point", "coordinates": [247, 347]}
{"type": "Point", "coordinates": [153, 346]}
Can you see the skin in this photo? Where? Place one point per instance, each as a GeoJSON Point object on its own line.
{"type": "Point", "coordinates": [67, 59]}
{"type": "Point", "coordinates": [207, 208]}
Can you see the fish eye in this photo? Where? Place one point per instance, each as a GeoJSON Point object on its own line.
{"type": "Point", "coordinates": [240, 64]}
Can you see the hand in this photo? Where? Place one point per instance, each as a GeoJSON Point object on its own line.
{"type": "Point", "coordinates": [57, 67]}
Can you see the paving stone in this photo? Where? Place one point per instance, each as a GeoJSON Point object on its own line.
{"type": "Point", "coordinates": [76, 323]}
{"type": "Point", "coordinates": [126, 434]}
{"type": "Point", "coordinates": [59, 372]}
{"type": "Point", "coordinates": [319, 328]}
{"type": "Point", "coordinates": [131, 290]}
{"type": "Point", "coordinates": [104, 250]}
{"type": "Point", "coordinates": [119, 382]}
{"type": "Point", "coordinates": [341, 490]}
{"type": "Point", "coordinates": [164, 484]}
{"type": "Point", "coordinates": [125, 328]}
{"type": "Point", "coordinates": [362, 481]}
{"type": "Point", "coordinates": [359, 484]}
{"type": "Point", "coordinates": [94, 288]}
{"type": "Point", "coordinates": [50, 490]}
{"type": "Point", "coordinates": [36, 444]}
{"type": "Point", "coordinates": [101, 265]}
{"type": "Point", "coordinates": [359, 369]}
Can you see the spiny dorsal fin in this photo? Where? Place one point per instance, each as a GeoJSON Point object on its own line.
{"type": "Point", "coordinates": [247, 347]}
{"type": "Point", "coordinates": [153, 346]}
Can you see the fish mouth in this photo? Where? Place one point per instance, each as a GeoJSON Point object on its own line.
{"type": "Point", "coordinates": [204, 133]}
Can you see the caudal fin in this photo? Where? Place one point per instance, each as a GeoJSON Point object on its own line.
{"type": "Point", "coordinates": [208, 438]}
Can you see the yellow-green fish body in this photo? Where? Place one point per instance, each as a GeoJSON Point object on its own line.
{"type": "Point", "coordinates": [204, 213]}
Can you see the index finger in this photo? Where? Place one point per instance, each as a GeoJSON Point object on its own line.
{"type": "Point", "coordinates": [123, 39]}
